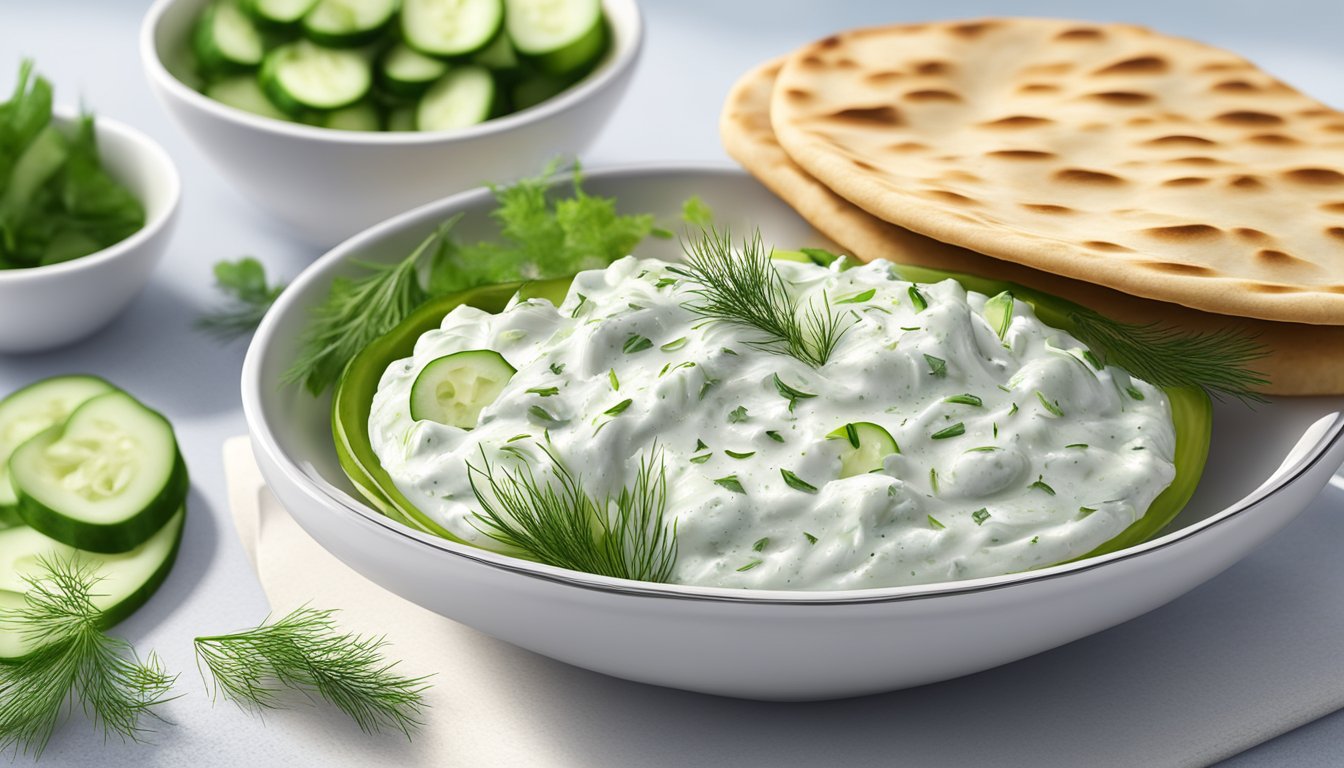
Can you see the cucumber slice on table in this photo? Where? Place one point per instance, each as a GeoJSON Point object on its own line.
{"type": "Point", "coordinates": [866, 445]}
{"type": "Point", "coordinates": [103, 481]}
{"type": "Point", "coordinates": [303, 75]}
{"type": "Point", "coordinates": [348, 23]}
{"type": "Point", "coordinates": [558, 36]}
{"type": "Point", "coordinates": [451, 28]}
{"type": "Point", "coordinates": [125, 581]}
{"type": "Point", "coordinates": [453, 389]}
{"type": "Point", "coordinates": [278, 12]}
{"type": "Point", "coordinates": [227, 39]}
{"type": "Point", "coordinates": [243, 92]}
{"type": "Point", "coordinates": [463, 97]}
{"type": "Point", "coordinates": [405, 72]}
{"type": "Point", "coordinates": [31, 410]}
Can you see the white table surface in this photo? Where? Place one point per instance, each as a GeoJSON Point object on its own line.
{"type": "Point", "coordinates": [695, 49]}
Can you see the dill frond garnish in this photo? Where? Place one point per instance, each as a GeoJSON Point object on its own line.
{"type": "Point", "coordinates": [558, 522]}
{"type": "Point", "coordinates": [73, 661]}
{"type": "Point", "coordinates": [1219, 361]}
{"type": "Point", "coordinates": [746, 289]}
{"type": "Point", "coordinates": [306, 652]}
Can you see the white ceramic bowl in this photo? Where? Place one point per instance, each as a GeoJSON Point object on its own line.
{"type": "Point", "coordinates": [330, 184]}
{"type": "Point", "coordinates": [45, 307]}
{"type": "Point", "coordinates": [1264, 467]}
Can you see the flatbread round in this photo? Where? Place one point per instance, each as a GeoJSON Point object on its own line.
{"type": "Point", "coordinates": [1154, 165]}
{"type": "Point", "coordinates": [1303, 359]}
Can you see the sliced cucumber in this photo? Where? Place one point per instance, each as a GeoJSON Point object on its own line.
{"type": "Point", "coordinates": [498, 56]}
{"type": "Point", "coordinates": [31, 410]}
{"type": "Point", "coordinates": [866, 445]}
{"type": "Point", "coordinates": [558, 36]}
{"type": "Point", "coordinates": [303, 75]}
{"type": "Point", "coordinates": [406, 72]}
{"type": "Point", "coordinates": [282, 13]}
{"type": "Point", "coordinates": [227, 39]}
{"type": "Point", "coordinates": [451, 28]}
{"type": "Point", "coordinates": [125, 581]}
{"type": "Point", "coordinates": [401, 119]}
{"type": "Point", "coordinates": [453, 389]}
{"type": "Point", "coordinates": [360, 117]}
{"type": "Point", "coordinates": [463, 97]}
{"type": "Point", "coordinates": [105, 480]}
{"type": "Point", "coordinates": [243, 92]}
{"type": "Point", "coordinates": [348, 23]}
{"type": "Point", "coordinates": [999, 312]}
{"type": "Point", "coordinates": [534, 90]}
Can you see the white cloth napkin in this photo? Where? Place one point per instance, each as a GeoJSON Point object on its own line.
{"type": "Point", "coordinates": [1251, 655]}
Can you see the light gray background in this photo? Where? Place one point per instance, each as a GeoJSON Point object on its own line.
{"type": "Point", "coordinates": [695, 48]}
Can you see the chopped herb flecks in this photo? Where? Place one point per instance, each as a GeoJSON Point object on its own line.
{"type": "Point", "coordinates": [674, 345]}
{"type": "Point", "coordinates": [618, 408]}
{"type": "Point", "coordinates": [791, 394]}
{"type": "Point", "coordinates": [615, 382]}
{"type": "Point", "coordinates": [773, 435]}
{"type": "Point", "coordinates": [937, 366]}
{"type": "Point", "coordinates": [544, 391]}
{"type": "Point", "coordinates": [797, 483]}
{"type": "Point", "coordinates": [970, 400]}
{"type": "Point", "coordinates": [750, 565]}
{"type": "Point", "coordinates": [558, 368]}
{"type": "Point", "coordinates": [737, 415]}
{"type": "Point", "coordinates": [955, 430]}
{"type": "Point", "coordinates": [859, 298]}
{"type": "Point", "coordinates": [917, 299]}
{"type": "Point", "coordinates": [740, 455]}
{"type": "Point", "coordinates": [1049, 406]}
{"type": "Point", "coordinates": [810, 538]}
{"type": "Point", "coordinates": [980, 516]}
{"type": "Point", "coordinates": [760, 545]}
{"type": "Point", "coordinates": [731, 483]}
{"type": "Point", "coordinates": [934, 524]}
{"type": "Point", "coordinates": [636, 343]}
{"type": "Point", "coordinates": [1041, 485]}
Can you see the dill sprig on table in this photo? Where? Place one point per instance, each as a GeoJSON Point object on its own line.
{"type": "Point", "coordinates": [73, 660]}
{"type": "Point", "coordinates": [306, 652]}
{"type": "Point", "coordinates": [746, 289]}
{"type": "Point", "coordinates": [560, 523]}
{"type": "Point", "coordinates": [249, 296]}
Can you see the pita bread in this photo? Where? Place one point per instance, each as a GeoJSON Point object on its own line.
{"type": "Point", "coordinates": [1303, 359]}
{"type": "Point", "coordinates": [1153, 165]}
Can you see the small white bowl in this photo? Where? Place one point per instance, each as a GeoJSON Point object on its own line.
{"type": "Point", "coordinates": [330, 184]}
{"type": "Point", "coordinates": [46, 307]}
{"type": "Point", "coordinates": [1265, 466]}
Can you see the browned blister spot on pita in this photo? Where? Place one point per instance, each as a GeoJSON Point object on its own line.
{"type": "Point", "coordinates": [798, 94]}
{"type": "Point", "coordinates": [1180, 140]}
{"type": "Point", "coordinates": [949, 196]}
{"type": "Point", "coordinates": [933, 67]}
{"type": "Point", "coordinates": [829, 42]}
{"type": "Point", "coordinates": [1021, 154]}
{"type": "Point", "coordinates": [1102, 245]}
{"type": "Point", "coordinates": [1047, 208]}
{"type": "Point", "coordinates": [1038, 88]}
{"type": "Point", "coordinates": [908, 147]}
{"type": "Point", "coordinates": [1049, 68]}
{"type": "Point", "coordinates": [812, 60]}
{"type": "Point", "coordinates": [1084, 176]}
{"type": "Point", "coordinates": [883, 115]}
{"type": "Point", "coordinates": [1273, 140]}
{"type": "Point", "coordinates": [1335, 232]}
{"type": "Point", "coordinates": [972, 29]}
{"type": "Point", "coordinates": [1081, 34]}
{"type": "Point", "coordinates": [1184, 232]}
{"type": "Point", "coordinates": [1279, 259]}
{"type": "Point", "coordinates": [1333, 207]}
{"type": "Point", "coordinates": [864, 164]}
{"type": "Point", "coordinates": [1201, 160]}
{"type": "Point", "coordinates": [846, 63]}
{"type": "Point", "coordinates": [1315, 112]}
{"type": "Point", "coordinates": [1017, 121]}
{"type": "Point", "coordinates": [883, 77]}
{"type": "Point", "coordinates": [1253, 235]}
{"type": "Point", "coordinates": [1248, 118]}
{"type": "Point", "coordinates": [1246, 182]}
{"type": "Point", "coordinates": [932, 94]}
{"type": "Point", "coordinates": [1120, 98]}
{"type": "Point", "coordinates": [1177, 268]}
{"type": "Point", "coordinates": [1185, 181]}
{"type": "Point", "coordinates": [1322, 176]}
{"type": "Point", "coordinates": [1270, 287]}
{"type": "Point", "coordinates": [1138, 65]}
{"type": "Point", "coordinates": [1224, 66]}
{"type": "Point", "coordinates": [960, 175]}
{"type": "Point", "coordinates": [1333, 127]}
{"type": "Point", "coordinates": [1235, 86]}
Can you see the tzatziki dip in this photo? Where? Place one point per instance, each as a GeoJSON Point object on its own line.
{"type": "Point", "coordinates": [931, 445]}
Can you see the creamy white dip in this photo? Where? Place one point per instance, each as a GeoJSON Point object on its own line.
{"type": "Point", "coordinates": [1057, 459]}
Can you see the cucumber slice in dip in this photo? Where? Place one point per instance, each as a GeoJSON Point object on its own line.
{"type": "Point", "coordinates": [865, 446]}
{"type": "Point", "coordinates": [31, 410]}
{"type": "Point", "coordinates": [453, 389]}
{"type": "Point", "coordinates": [125, 580]}
{"type": "Point", "coordinates": [558, 36]}
{"type": "Point", "coordinates": [105, 480]}
{"type": "Point", "coordinates": [451, 28]}
{"type": "Point", "coordinates": [302, 76]}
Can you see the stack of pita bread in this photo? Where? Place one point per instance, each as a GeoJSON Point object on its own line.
{"type": "Point", "coordinates": [1150, 178]}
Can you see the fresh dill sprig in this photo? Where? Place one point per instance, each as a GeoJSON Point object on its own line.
{"type": "Point", "coordinates": [73, 660]}
{"type": "Point", "coordinates": [358, 310]}
{"type": "Point", "coordinates": [560, 523]}
{"type": "Point", "coordinates": [748, 290]}
{"type": "Point", "coordinates": [306, 652]}
{"type": "Point", "coordinates": [1217, 361]}
{"type": "Point", "coordinates": [248, 294]}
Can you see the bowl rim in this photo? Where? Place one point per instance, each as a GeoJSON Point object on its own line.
{"type": "Point", "coordinates": [629, 43]}
{"type": "Point", "coordinates": [145, 152]}
{"type": "Point", "coordinates": [334, 499]}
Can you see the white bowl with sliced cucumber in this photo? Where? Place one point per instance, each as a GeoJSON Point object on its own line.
{"type": "Point", "coordinates": [335, 114]}
{"type": "Point", "coordinates": [92, 477]}
{"type": "Point", "coordinates": [1264, 466]}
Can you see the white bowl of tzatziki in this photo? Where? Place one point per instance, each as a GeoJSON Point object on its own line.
{"type": "Point", "coordinates": [809, 564]}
